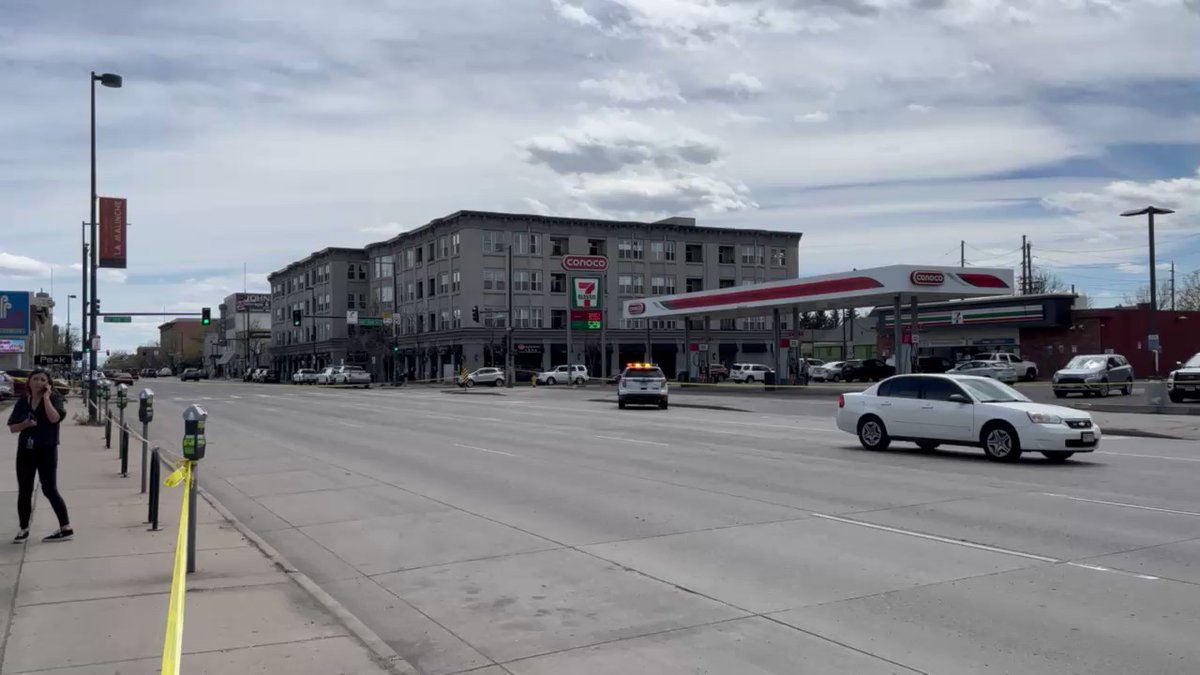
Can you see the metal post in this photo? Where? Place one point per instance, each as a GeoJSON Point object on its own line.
{"type": "Point", "coordinates": [145, 450]}
{"type": "Point", "coordinates": [93, 255]}
{"type": "Point", "coordinates": [687, 348]}
{"type": "Point", "coordinates": [155, 483]}
{"type": "Point", "coordinates": [85, 340]}
{"type": "Point", "coordinates": [777, 338]}
{"type": "Point", "coordinates": [191, 524]}
{"type": "Point", "coordinates": [605, 369]}
{"type": "Point", "coordinates": [124, 451]}
{"type": "Point", "coordinates": [800, 370]}
{"type": "Point", "coordinates": [570, 307]}
{"type": "Point", "coordinates": [107, 427]}
{"type": "Point", "coordinates": [913, 344]}
{"type": "Point", "coordinates": [708, 342]}
{"type": "Point", "coordinates": [508, 345]}
{"type": "Point", "coordinates": [1153, 294]}
{"type": "Point", "coordinates": [897, 333]}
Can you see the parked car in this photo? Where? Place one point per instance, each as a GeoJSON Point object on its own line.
{"type": "Point", "coordinates": [148, 372]}
{"type": "Point", "coordinates": [326, 376]}
{"type": "Point", "coordinates": [934, 410]}
{"type": "Point", "coordinates": [750, 373]}
{"type": "Point", "coordinates": [866, 370]}
{"type": "Point", "coordinates": [304, 376]}
{"type": "Point", "coordinates": [997, 370]}
{"type": "Point", "coordinates": [269, 376]}
{"type": "Point", "coordinates": [1094, 375]}
{"type": "Point", "coordinates": [717, 372]}
{"type": "Point", "coordinates": [490, 376]}
{"type": "Point", "coordinates": [830, 371]}
{"type": "Point", "coordinates": [6, 386]}
{"type": "Point", "coordinates": [164, 372]}
{"type": "Point", "coordinates": [934, 364]}
{"type": "Point", "coordinates": [575, 374]}
{"type": "Point", "coordinates": [643, 383]}
{"type": "Point", "coordinates": [1184, 382]}
{"type": "Point", "coordinates": [524, 375]}
{"type": "Point", "coordinates": [1026, 369]}
{"type": "Point", "coordinates": [190, 374]}
{"type": "Point", "coordinates": [352, 375]}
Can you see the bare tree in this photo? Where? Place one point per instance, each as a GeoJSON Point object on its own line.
{"type": "Point", "coordinates": [1142, 296]}
{"type": "Point", "coordinates": [1187, 292]}
{"type": "Point", "coordinates": [1045, 281]}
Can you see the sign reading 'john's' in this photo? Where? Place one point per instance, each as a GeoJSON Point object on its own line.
{"type": "Point", "coordinates": [112, 232]}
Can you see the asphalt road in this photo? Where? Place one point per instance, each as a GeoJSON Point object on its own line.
{"type": "Point", "coordinates": [543, 531]}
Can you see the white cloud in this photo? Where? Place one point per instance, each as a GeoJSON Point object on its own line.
{"type": "Point", "coordinates": [918, 108]}
{"type": "Point", "coordinates": [23, 266]}
{"type": "Point", "coordinates": [815, 116]}
{"type": "Point", "coordinates": [626, 87]}
{"type": "Point", "coordinates": [574, 13]}
{"type": "Point", "coordinates": [743, 85]}
{"type": "Point", "coordinates": [388, 229]}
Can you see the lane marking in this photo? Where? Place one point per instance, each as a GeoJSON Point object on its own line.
{"type": "Point", "coordinates": [1130, 454]}
{"type": "Point", "coordinates": [350, 424]}
{"type": "Point", "coordinates": [631, 440]}
{"type": "Point", "coordinates": [944, 540]}
{"type": "Point", "coordinates": [234, 396]}
{"type": "Point", "coordinates": [494, 452]}
{"type": "Point", "coordinates": [1130, 506]}
{"type": "Point", "coordinates": [1098, 568]}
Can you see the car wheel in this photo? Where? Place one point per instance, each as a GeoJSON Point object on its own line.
{"type": "Point", "coordinates": [580, 381]}
{"type": "Point", "coordinates": [496, 382]}
{"type": "Point", "coordinates": [663, 404]}
{"type": "Point", "coordinates": [1057, 455]}
{"type": "Point", "coordinates": [621, 403]}
{"type": "Point", "coordinates": [837, 378]}
{"type": "Point", "coordinates": [1127, 389]}
{"type": "Point", "coordinates": [1105, 390]}
{"type": "Point", "coordinates": [470, 383]}
{"type": "Point", "coordinates": [928, 445]}
{"type": "Point", "coordinates": [1060, 394]}
{"type": "Point", "coordinates": [551, 381]}
{"type": "Point", "coordinates": [1175, 396]}
{"type": "Point", "coordinates": [1000, 442]}
{"type": "Point", "coordinates": [872, 434]}
{"type": "Point", "coordinates": [750, 379]}
{"type": "Point", "coordinates": [1031, 374]}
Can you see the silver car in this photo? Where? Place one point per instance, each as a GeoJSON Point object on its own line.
{"type": "Point", "coordinates": [830, 371]}
{"type": "Point", "coordinates": [997, 370]}
{"type": "Point", "coordinates": [1094, 375]}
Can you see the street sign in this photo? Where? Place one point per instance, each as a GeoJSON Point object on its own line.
{"type": "Point", "coordinates": [96, 343]}
{"type": "Point", "coordinates": [793, 343]}
{"type": "Point", "coordinates": [370, 321]}
{"type": "Point", "coordinates": [1152, 342]}
{"type": "Point", "coordinates": [585, 292]}
{"type": "Point", "coordinates": [108, 318]}
{"type": "Point", "coordinates": [52, 359]}
{"type": "Point", "coordinates": [352, 317]}
{"type": "Point", "coordinates": [703, 346]}
{"type": "Point", "coordinates": [584, 263]}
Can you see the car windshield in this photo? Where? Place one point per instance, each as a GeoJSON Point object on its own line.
{"type": "Point", "coordinates": [990, 391]}
{"type": "Point", "coordinates": [1193, 362]}
{"type": "Point", "coordinates": [1086, 363]}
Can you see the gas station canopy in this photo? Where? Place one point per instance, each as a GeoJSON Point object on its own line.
{"type": "Point", "coordinates": [859, 288]}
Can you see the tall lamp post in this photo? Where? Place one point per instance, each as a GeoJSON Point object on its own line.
{"type": "Point", "coordinates": [67, 341]}
{"type": "Point", "coordinates": [114, 81]}
{"type": "Point", "coordinates": [1150, 212]}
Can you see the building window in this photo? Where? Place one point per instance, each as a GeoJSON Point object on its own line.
{"type": "Point", "coordinates": [693, 284]}
{"type": "Point", "coordinates": [444, 322]}
{"type": "Point", "coordinates": [560, 245]}
{"type": "Point", "coordinates": [432, 322]}
{"type": "Point", "coordinates": [362, 300]}
{"type": "Point", "coordinates": [443, 247]}
{"type": "Point", "coordinates": [420, 251]}
{"type": "Point", "coordinates": [535, 317]}
{"type": "Point", "coordinates": [630, 284]}
{"type": "Point", "coordinates": [752, 255]}
{"type": "Point", "coordinates": [362, 272]}
{"type": "Point", "coordinates": [695, 324]}
{"type": "Point", "coordinates": [443, 283]}
{"type": "Point", "coordinates": [558, 282]}
{"type": "Point", "coordinates": [455, 244]}
{"type": "Point", "coordinates": [755, 323]}
{"type": "Point", "coordinates": [726, 255]}
{"type": "Point", "coordinates": [457, 313]}
{"type": "Point", "coordinates": [349, 301]}
{"type": "Point", "coordinates": [521, 317]}
{"type": "Point", "coordinates": [596, 247]}
{"type": "Point", "coordinates": [493, 241]}
{"type": "Point", "coordinates": [520, 280]}
{"type": "Point", "coordinates": [455, 281]}
{"type": "Point", "coordinates": [662, 324]}
{"type": "Point", "coordinates": [662, 285]}
{"type": "Point", "coordinates": [430, 286]}
{"type": "Point", "coordinates": [493, 280]}
{"type": "Point", "coordinates": [662, 250]}
{"type": "Point", "coordinates": [420, 289]}
{"type": "Point", "coordinates": [429, 251]}
{"type": "Point", "coordinates": [694, 253]}
{"type": "Point", "coordinates": [779, 257]}
{"type": "Point", "coordinates": [558, 318]}
{"type": "Point", "coordinates": [633, 324]}
{"type": "Point", "coordinates": [726, 283]}
{"type": "Point", "coordinates": [496, 318]}
{"type": "Point", "coordinates": [409, 257]}
{"type": "Point", "coordinates": [385, 294]}
{"type": "Point", "coordinates": [383, 267]}
{"type": "Point", "coordinates": [535, 281]}
{"type": "Point", "coordinates": [350, 271]}
{"type": "Point", "coordinates": [409, 293]}
{"type": "Point", "coordinates": [630, 249]}
{"type": "Point", "coordinates": [728, 324]}
{"type": "Point", "coordinates": [526, 243]}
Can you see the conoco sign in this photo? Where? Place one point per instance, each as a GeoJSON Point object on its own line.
{"type": "Point", "coordinates": [926, 278]}
{"type": "Point", "coordinates": [636, 308]}
{"type": "Point", "coordinates": [584, 263]}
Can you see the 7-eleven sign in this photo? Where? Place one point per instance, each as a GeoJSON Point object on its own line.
{"type": "Point", "coordinates": [585, 292]}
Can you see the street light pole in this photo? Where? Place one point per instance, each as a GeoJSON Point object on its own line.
{"type": "Point", "coordinates": [67, 340]}
{"type": "Point", "coordinates": [114, 81]}
{"type": "Point", "coordinates": [1150, 212]}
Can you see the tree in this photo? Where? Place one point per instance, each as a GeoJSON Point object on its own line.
{"type": "Point", "coordinates": [65, 343]}
{"type": "Point", "coordinates": [1045, 281]}
{"type": "Point", "coordinates": [1142, 296]}
{"type": "Point", "coordinates": [1187, 292]}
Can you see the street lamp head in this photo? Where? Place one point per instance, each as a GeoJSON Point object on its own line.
{"type": "Point", "coordinates": [72, 296]}
{"type": "Point", "coordinates": [108, 80]}
{"type": "Point", "coordinates": [1148, 210]}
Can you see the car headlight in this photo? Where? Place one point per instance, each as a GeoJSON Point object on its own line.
{"type": "Point", "coordinates": [1171, 377]}
{"type": "Point", "coordinates": [1043, 418]}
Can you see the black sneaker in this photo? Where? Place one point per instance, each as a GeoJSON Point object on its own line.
{"type": "Point", "coordinates": [61, 535]}
{"type": "Point", "coordinates": [21, 537]}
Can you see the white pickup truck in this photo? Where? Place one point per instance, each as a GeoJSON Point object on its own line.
{"type": "Point", "coordinates": [1026, 370]}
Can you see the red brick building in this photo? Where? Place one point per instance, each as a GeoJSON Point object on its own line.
{"type": "Point", "coordinates": [182, 342]}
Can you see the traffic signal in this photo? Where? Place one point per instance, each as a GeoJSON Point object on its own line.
{"type": "Point", "coordinates": [296, 317]}
{"type": "Point", "coordinates": [475, 313]}
{"type": "Point", "coordinates": [395, 349]}
{"type": "Point", "coordinates": [205, 316]}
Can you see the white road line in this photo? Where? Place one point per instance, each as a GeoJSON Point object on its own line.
{"type": "Point", "coordinates": [1129, 506]}
{"type": "Point", "coordinates": [494, 452]}
{"type": "Point", "coordinates": [1130, 454]}
{"type": "Point", "coordinates": [944, 540]}
{"type": "Point", "coordinates": [631, 440]}
{"type": "Point", "coordinates": [263, 395]}
{"type": "Point", "coordinates": [349, 424]}
{"type": "Point", "coordinates": [1098, 568]}
{"type": "Point", "coordinates": [234, 396]}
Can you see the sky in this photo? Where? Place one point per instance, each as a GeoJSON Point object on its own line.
{"type": "Point", "coordinates": [248, 135]}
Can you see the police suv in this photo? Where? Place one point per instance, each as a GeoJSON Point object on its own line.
{"type": "Point", "coordinates": [642, 383]}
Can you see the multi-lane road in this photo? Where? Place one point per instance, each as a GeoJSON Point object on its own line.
{"type": "Point", "coordinates": [544, 531]}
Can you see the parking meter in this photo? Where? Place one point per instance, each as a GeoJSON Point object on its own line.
{"type": "Point", "coordinates": [104, 392]}
{"type": "Point", "coordinates": [146, 406]}
{"type": "Point", "coordinates": [193, 432]}
{"type": "Point", "coordinates": [122, 395]}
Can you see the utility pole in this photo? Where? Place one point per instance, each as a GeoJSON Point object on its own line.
{"type": "Point", "coordinates": [1024, 267]}
{"type": "Point", "coordinates": [1172, 286]}
{"type": "Point", "coordinates": [508, 325]}
{"type": "Point", "coordinates": [962, 252]}
{"type": "Point", "coordinates": [1029, 264]}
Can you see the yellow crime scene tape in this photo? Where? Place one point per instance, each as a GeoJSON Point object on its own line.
{"type": "Point", "coordinates": [173, 642]}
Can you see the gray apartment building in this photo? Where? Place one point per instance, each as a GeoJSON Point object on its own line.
{"type": "Point", "coordinates": [322, 286]}
{"type": "Point", "coordinates": [425, 284]}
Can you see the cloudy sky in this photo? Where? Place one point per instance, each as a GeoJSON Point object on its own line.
{"type": "Point", "coordinates": [252, 133]}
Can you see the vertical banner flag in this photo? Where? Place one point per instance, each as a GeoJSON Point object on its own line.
{"type": "Point", "coordinates": [112, 232]}
{"type": "Point", "coordinates": [14, 314]}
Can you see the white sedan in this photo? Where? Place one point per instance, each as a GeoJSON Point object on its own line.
{"type": "Point", "coordinates": [931, 410]}
{"type": "Point", "coordinates": [304, 376]}
{"type": "Point", "coordinates": [997, 370]}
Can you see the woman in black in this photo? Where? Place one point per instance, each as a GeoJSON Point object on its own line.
{"type": "Point", "coordinates": [36, 417]}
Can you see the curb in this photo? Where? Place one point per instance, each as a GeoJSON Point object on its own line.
{"type": "Point", "coordinates": [1138, 433]}
{"type": "Point", "coordinates": [1137, 409]}
{"type": "Point", "coordinates": [698, 406]}
{"type": "Point", "coordinates": [383, 654]}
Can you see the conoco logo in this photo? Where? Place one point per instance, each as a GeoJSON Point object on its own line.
{"type": "Point", "coordinates": [581, 263]}
{"type": "Point", "coordinates": [636, 308]}
{"type": "Point", "coordinates": [927, 278]}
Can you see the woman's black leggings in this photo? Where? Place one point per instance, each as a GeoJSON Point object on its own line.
{"type": "Point", "coordinates": [42, 462]}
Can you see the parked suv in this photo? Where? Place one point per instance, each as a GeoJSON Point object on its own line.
{"type": "Point", "coordinates": [642, 383]}
{"type": "Point", "coordinates": [749, 373]}
{"type": "Point", "coordinates": [190, 374]}
{"type": "Point", "coordinates": [1094, 375]}
{"type": "Point", "coordinates": [489, 376]}
{"type": "Point", "coordinates": [576, 374]}
{"type": "Point", "coordinates": [866, 370]}
{"type": "Point", "coordinates": [1184, 382]}
{"type": "Point", "coordinates": [1026, 370]}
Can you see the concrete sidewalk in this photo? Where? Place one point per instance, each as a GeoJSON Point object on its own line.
{"type": "Point", "coordinates": [98, 604]}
